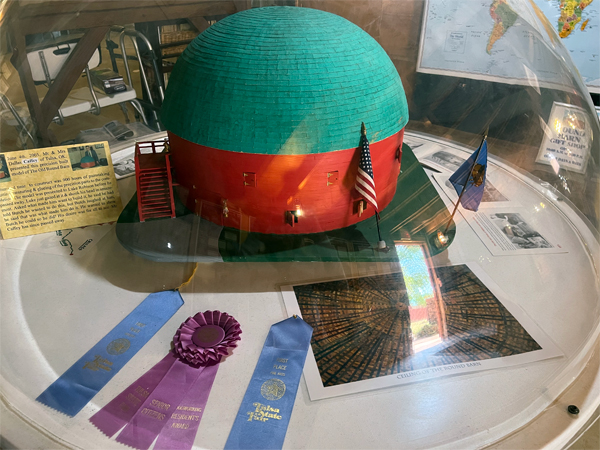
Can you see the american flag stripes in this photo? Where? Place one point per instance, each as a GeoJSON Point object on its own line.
{"type": "Point", "coordinates": [365, 184]}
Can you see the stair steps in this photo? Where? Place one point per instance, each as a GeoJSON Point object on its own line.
{"type": "Point", "coordinates": [154, 180]}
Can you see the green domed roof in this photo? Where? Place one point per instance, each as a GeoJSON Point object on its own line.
{"type": "Point", "coordinates": [284, 80]}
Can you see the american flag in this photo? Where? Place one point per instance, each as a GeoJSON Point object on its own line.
{"type": "Point", "coordinates": [365, 185]}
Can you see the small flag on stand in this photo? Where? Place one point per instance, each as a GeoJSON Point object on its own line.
{"type": "Point", "coordinates": [365, 184]}
{"type": "Point", "coordinates": [469, 182]}
{"type": "Point", "coordinates": [469, 179]}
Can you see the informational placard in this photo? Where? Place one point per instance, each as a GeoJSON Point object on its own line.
{"type": "Point", "coordinates": [567, 139]}
{"type": "Point", "coordinates": [57, 188]}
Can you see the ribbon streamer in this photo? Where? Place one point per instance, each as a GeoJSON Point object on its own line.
{"type": "Point", "coordinates": [169, 400]}
{"type": "Point", "coordinates": [116, 414]}
{"type": "Point", "coordinates": [180, 430]}
{"type": "Point", "coordinates": [264, 415]}
{"type": "Point", "coordinates": [82, 381]}
{"type": "Point", "coordinates": [150, 419]}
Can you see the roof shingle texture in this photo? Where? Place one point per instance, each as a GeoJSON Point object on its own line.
{"type": "Point", "coordinates": [284, 80]}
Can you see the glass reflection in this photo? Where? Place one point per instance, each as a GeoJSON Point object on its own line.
{"type": "Point", "coordinates": [423, 303]}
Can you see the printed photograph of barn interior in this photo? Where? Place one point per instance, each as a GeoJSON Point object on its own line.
{"type": "Point", "coordinates": [420, 317]}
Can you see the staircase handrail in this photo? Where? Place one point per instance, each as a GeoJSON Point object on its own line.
{"type": "Point", "coordinates": [170, 178]}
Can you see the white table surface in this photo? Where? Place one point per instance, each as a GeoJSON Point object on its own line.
{"type": "Point", "coordinates": [54, 308]}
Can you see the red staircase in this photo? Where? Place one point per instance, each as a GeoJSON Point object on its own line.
{"type": "Point", "coordinates": [154, 180]}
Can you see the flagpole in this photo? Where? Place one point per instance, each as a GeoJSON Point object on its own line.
{"type": "Point", "coordinates": [381, 243]}
{"type": "Point", "coordinates": [368, 182]}
{"type": "Point", "coordinates": [466, 182]}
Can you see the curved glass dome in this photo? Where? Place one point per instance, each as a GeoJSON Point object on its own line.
{"type": "Point", "coordinates": [434, 325]}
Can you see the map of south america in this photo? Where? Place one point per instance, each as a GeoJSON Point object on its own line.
{"type": "Point", "coordinates": [513, 41]}
{"type": "Point", "coordinates": [504, 18]}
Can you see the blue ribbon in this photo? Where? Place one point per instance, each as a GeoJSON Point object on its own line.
{"type": "Point", "coordinates": [264, 415]}
{"type": "Point", "coordinates": [78, 385]}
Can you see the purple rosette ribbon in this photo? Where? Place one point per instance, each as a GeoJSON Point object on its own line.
{"type": "Point", "coordinates": [205, 338]}
{"type": "Point", "coordinates": [169, 400]}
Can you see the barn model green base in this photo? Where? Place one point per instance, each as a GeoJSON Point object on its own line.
{"type": "Point", "coordinates": [415, 213]}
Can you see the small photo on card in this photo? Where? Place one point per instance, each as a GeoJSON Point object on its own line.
{"type": "Point", "coordinates": [445, 160]}
{"type": "Point", "coordinates": [511, 231]}
{"type": "Point", "coordinates": [87, 156]}
{"type": "Point", "coordinates": [4, 172]}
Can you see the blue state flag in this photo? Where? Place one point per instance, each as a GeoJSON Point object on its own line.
{"type": "Point", "coordinates": [471, 177]}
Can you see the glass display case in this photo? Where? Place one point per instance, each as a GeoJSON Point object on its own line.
{"type": "Point", "coordinates": [418, 181]}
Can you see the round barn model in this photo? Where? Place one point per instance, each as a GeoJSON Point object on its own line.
{"type": "Point", "coordinates": [264, 112]}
